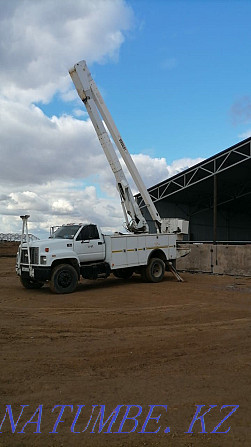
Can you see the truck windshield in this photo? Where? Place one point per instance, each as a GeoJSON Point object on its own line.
{"type": "Point", "coordinates": [66, 232]}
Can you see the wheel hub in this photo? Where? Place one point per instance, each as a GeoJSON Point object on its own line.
{"type": "Point", "coordinates": [64, 279]}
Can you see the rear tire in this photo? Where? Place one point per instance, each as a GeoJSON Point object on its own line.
{"type": "Point", "coordinates": [155, 270]}
{"type": "Point", "coordinates": [64, 279]}
{"type": "Point", "coordinates": [29, 283]}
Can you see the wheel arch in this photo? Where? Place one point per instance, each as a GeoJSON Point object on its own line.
{"type": "Point", "coordinates": [157, 253]}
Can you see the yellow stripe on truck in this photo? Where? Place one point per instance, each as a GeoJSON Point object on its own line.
{"type": "Point", "coordinates": [147, 248]}
{"type": "Point", "coordinates": [160, 246]}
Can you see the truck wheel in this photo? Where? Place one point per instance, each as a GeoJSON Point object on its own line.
{"type": "Point", "coordinates": [29, 283]}
{"type": "Point", "coordinates": [64, 279]}
{"type": "Point", "coordinates": [155, 270]}
{"type": "Point", "coordinates": [123, 273]}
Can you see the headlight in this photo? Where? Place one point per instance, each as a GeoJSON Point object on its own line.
{"type": "Point", "coordinates": [43, 260]}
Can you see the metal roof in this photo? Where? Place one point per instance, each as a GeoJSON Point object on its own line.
{"type": "Point", "coordinates": [195, 185]}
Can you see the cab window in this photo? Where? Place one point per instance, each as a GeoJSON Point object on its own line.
{"type": "Point", "coordinates": [93, 232]}
{"type": "Point", "coordinates": [87, 233]}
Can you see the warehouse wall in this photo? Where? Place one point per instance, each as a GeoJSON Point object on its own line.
{"type": "Point", "coordinates": [233, 224]}
{"type": "Point", "coordinates": [217, 259]}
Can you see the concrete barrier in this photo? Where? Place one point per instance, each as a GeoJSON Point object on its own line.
{"type": "Point", "coordinates": [217, 259]}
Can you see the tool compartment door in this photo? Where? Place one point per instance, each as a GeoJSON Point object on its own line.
{"type": "Point", "coordinates": [118, 252]}
{"type": "Point", "coordinates": [132, 250]}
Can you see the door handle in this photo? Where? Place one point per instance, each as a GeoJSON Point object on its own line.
{"type": "Point", "coordinates": [100, 243]}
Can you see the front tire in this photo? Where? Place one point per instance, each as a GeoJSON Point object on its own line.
{"type": "Point", "coordinates": [155, 270]}
{"type": "Point", "coordinates": [64, 279]}
{"type": "Point", "coordinates": [29, 283]}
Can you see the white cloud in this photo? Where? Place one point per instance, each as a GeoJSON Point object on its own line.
{"type": "Point", "coordinates": [56, 203]}
{"type": "Point", "coordinates": [47, 164]}
{"type": "Point", "coordinates": [154, 170]}
{"type": "Point", "coordinates": [62, 206]}
{"type": "Point", "coordinates": [40, 40]}
{"type": "Point", "coordinates": [245, 135]}
{"type": "Point", "coordinates": [36, 149]}
{"type": "Point", "coordinates": [80, 113]}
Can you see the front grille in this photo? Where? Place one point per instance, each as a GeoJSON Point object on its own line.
{"type": "Point", "coordinates": [34, 255]}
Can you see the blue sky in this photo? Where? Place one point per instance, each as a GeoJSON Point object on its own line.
{"type": "Point", "coordinates": [180, 71]}
{"type": "Point", "coordinates": [175, 76]}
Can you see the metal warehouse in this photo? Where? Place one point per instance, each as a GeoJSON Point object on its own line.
{"type": "Point", "coordinates": [215, 197]}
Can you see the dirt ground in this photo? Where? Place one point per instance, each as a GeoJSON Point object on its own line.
{"type": "Point", "coordinates": [115, 342]}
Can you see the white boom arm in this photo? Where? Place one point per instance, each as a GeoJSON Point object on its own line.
{"type": "Point", "coordinates": [96, 108]}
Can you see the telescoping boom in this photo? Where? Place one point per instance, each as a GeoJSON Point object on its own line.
{"type": "Point", "coordinates": [97, 110]}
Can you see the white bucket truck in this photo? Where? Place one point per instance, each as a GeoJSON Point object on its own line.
{"type": "Point", "coordinates": [76, 250]}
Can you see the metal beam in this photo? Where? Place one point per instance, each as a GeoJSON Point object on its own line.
{"type": "Point", "coordinates": [219, 163]}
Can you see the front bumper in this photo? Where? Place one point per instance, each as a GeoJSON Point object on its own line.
{"type": "Point", "coordinates": [39, 273]}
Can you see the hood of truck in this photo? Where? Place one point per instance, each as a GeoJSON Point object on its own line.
{"type": "Point", "coordinates": [51, 244]}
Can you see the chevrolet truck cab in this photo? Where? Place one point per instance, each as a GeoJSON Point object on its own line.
{"type": "Point", "coordinates": [59, 258]}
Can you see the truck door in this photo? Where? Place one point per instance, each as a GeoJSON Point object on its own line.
{"type": "Point", "coordinates": [89, 244]}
